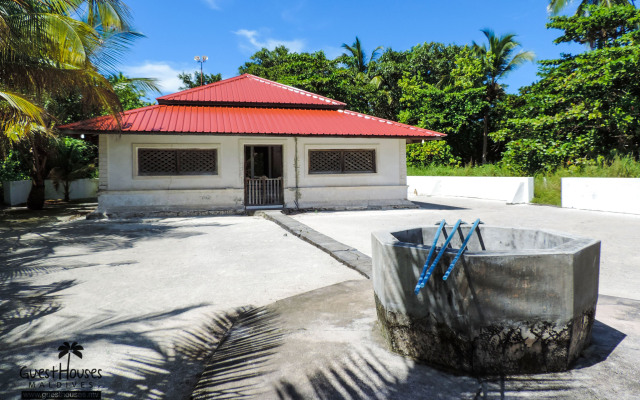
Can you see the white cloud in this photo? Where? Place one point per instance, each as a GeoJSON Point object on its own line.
{"type": "Point", "coordinates": [253, 37]}
{"type": "Point", "coordinates": [166, 75]}
{"type": "Point", "coordinates": [213, 4]}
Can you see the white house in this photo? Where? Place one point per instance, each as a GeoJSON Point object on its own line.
{"type": "Point", "coordinates": [247, 142]}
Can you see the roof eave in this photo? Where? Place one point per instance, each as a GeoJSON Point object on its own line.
{"type": "Point", "coordinates": [181, 133]}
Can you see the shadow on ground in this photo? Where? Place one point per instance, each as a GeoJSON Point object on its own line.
{"type": "Point", "coordinates": [147, 368]}
{"type": "Point", "coordinates": [436, 207]}
{"type": "Point", "coordinates": [12, 218]}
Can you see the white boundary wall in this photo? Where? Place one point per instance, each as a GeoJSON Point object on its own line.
{"type": "Point", "coordinates": [602, 194]}
{"type": "Point", "coordinates": [17, 192]}
{"type": "Point", "coordinates": [508, 189]}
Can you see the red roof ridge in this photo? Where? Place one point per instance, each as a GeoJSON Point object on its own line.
{"type": "Point", "coordinates": [294, 89]}
{"type": "Point", "coordinates": [213, 94]}
{"type": "Point", "coordinates": [203, 87]}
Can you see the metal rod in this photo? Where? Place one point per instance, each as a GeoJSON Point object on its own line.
{"type": "Point", "coordinates": [464, 245]}
{"type": "Point", "coordinates": [440, 253]}
{"type": "Point", "coordinates": [428, 260]}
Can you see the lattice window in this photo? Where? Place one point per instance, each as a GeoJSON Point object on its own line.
{"type": "Point", "coordinates": [342, 161]}
{"type": "Point", "coordinates": [325, 162]}
{"type": "Point", "coordinates": [163, 162]}
{"type": "Point", "coordinates": [197, 162]}
{"type": "Point", "coordinates": [359, 161]}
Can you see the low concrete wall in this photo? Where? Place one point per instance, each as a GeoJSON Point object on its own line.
{"type": "Point", "coordinates": [17, 192]}
{"type": "Point", "coordinates": [602, 194]}
{"type": "Point", "coordinates": [508, 189]}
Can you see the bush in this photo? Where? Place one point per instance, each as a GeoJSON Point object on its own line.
{"type": "Point", "coordinates": [435, 152]}
{"type": "Point", "coordinates": [13, 169]}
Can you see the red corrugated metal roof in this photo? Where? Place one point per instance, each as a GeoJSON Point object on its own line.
{"type": "Point", "coordinates": [249, 90]}
{"type": "Point", "coordinates": [251, 121]}
{"type": "Point", "coordinates": [253, 106]}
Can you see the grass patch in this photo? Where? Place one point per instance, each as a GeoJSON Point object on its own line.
{"type": "Point", "coordinates": [547, 190]}
{"type": "Point", "coordinates": [547, 187]}
{"type": "Point", "coordinates": [480, 170]}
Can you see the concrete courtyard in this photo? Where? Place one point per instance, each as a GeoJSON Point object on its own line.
{"type": "Point", "coordinates": [236, 307]}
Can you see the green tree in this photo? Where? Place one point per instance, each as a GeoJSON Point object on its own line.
{"type": "Point", "coordinates": [72, 159]}
{"type": "Point", "coordinates": [585, 106]}
{"type": "Point", "coordinates": [356, 57]}
{"type": "Point", "coordinates": [131, 92]}
{"type": "Point", "coordinates": [71, 107]}
{"type": "Point", "coordinates": [555, 6]}
{"type": "Point", "coordinates": [193, 80]}
{"type": "Point", "coordinates": [45, 49]}
{"type": "Point", "coordinates": [364, 67]}
{"type": "Point", "coordinates": [455, 108]}
{"type": "Point", "coordinates": [498, 59]}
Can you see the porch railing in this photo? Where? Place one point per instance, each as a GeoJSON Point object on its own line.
{"type": "Point", "coordinates": [263, 191]}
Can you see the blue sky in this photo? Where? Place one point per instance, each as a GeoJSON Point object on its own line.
{"type": "Point", "coordinates": [230, 31]}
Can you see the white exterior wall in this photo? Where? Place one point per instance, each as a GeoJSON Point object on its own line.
{"type": "Point", "coordinates": [602, 194]}
{"type": "Point", "coordinates": [120, 187]}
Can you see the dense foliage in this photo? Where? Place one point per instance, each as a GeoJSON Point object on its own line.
{"type": "Point", "coordinates": [56, 49]}
{"type": "Point", "coordinates": [585, 106]}
{"type": "Point", "coordinates": [583, 109]}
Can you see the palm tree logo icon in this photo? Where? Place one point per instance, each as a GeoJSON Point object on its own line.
{"type": "Point", "coordinates": [67, 349]}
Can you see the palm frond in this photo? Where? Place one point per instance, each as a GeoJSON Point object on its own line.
{"type": "Point", "coordinates": [555, 6]}
{"type": "Point", "coordinates": [24, 110]}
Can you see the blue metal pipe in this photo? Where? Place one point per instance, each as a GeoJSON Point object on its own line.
{"type": "Point", "coordinates": [431, 251]}
{"type": "Point", "coordinates": [440, 253]}
{"type": "Point", "coordinates": [464, 245]}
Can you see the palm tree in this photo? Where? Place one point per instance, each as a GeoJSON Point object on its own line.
{"type": "Point", "coordinates": [45, 50]}
{"type": "Point", "coordinates": [555, 6]}
{"type": "Point", "coordinates": [498, 60]}
{"type": "Point", "coordinates": [362, 65]}
{"type": "Point", "coordinates": [67, 349]}
{"type": "Point", "coordinates": [358, 56]}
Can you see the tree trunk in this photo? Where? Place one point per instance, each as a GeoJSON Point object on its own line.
{"type": "Point", "coordinates": [67, 189]}
{"type": "Point", "coordinates": [484, 138]}
{"type": "Point", "coordinates": [35, 201]}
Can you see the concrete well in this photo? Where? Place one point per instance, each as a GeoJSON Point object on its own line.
{"type": "Point", "coordinates": [518, 301]}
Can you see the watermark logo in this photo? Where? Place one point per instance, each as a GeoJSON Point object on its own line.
{"type": "Point", "coordinates": [77, 383]}
{"type": "Point", "coordinates": [67, 349]}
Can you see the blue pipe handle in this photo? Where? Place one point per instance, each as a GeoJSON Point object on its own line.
{"type": "Point", "coordinates": [464, 245]}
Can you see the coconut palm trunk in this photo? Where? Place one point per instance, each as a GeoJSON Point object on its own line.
{"type": "Point", "coordinates": [485, 136]}
{"type": "Point", "coordinates": [35, 201]}
{"type": "Point", "coordinates": [499, 58]}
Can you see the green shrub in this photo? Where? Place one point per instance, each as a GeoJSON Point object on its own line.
{"type": "Point", "coordinates": [434, 152]}
{"type": "Point", "coordinates": [13, 169]}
